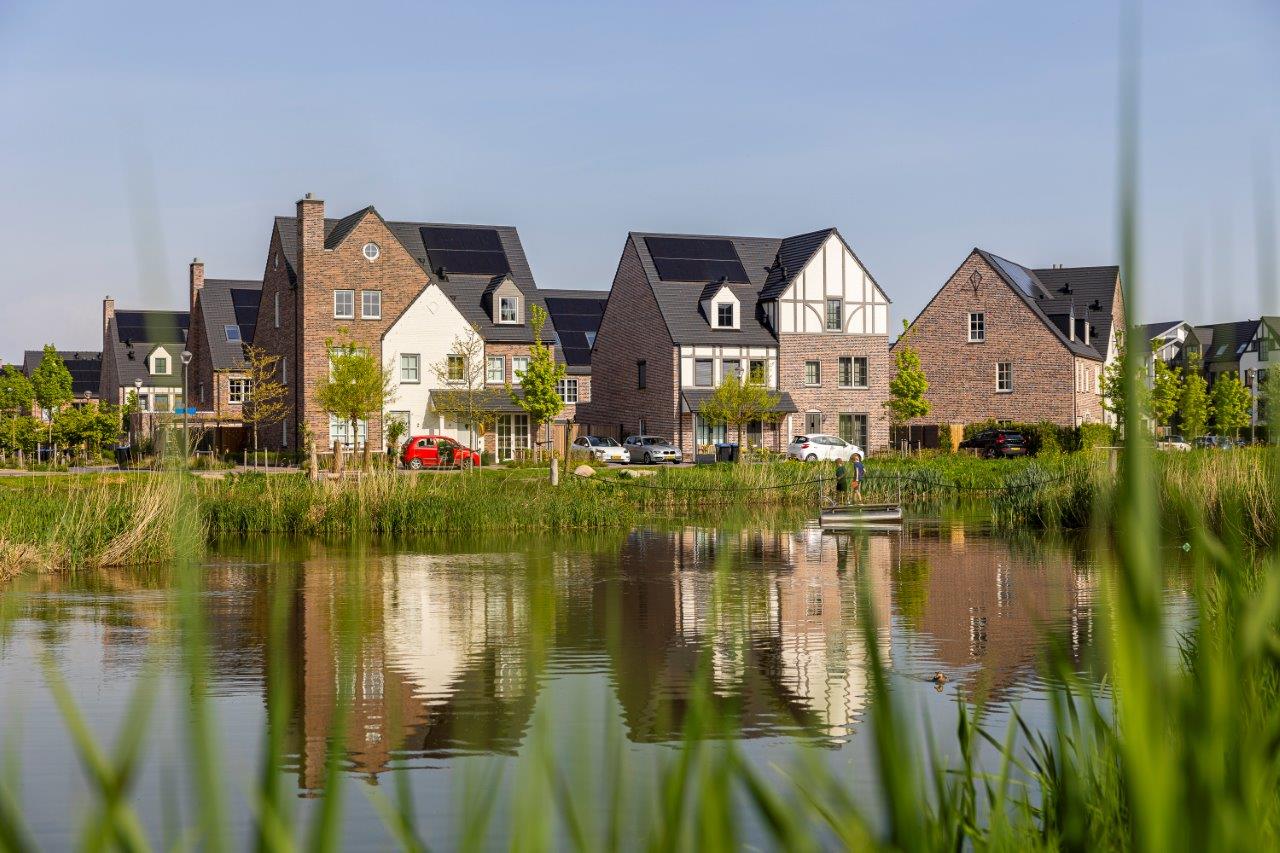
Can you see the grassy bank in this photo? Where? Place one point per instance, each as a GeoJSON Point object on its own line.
{"type": "Point", "coordinates": [127, 518]}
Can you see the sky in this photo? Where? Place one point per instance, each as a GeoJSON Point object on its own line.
{"type": "Point", "coordinates": [136, 136]}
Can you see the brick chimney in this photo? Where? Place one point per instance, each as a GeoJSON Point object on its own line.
{"type": "Point", "coordinates": [310, 230]}
{"type": "Point", "coordinates": [108, 313]}
{"type": "Point", "coordinates": [196, 278]}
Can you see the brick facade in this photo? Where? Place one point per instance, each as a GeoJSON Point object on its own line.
{"type": "Point", "coordinates": [829, 398]}
{"type": "Point", "coordinates": [962, 375]}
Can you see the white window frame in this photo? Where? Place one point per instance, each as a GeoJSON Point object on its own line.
{"type": "Point", "coordinates": [977, 327]}
{"type": "Point", "coordinates": [370, 251]}
{"type": "Point", "coordinates": [733, 315]}
{"type": "Point", "coordinates": [514, 303]}
{"type": "Point", "coordinates": [228, 329]}
{"type": "Point", "coordinates": [498, 361]}
{"type": "Point", "coordinates": [238, 391]}
{"type": "Point", "coordinates": [456, 359]}
{"type": "Point", "coordinates": [410, 360]}
{"type": "Point", "coordinates": [517, 371]}
{"type": "Point", "coordinates": [365, 313]}
{"type": "Point", "coordinates": [567, 388]}
{"type": "Point", "coordinates": [156, 361]}
{"type": "Point", "coordinates": [1004, 383]}
{"type": "Point", "coordinates": [349, 313]}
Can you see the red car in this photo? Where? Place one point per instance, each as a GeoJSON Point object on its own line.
{"type": "Point", "coordinates": [435, 451]}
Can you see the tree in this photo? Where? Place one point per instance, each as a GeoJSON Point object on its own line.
{"type": "Point", "coordinates": [16, 397]}
{"type": "Point", "coordinates": [357, 388]}
{"type": "Point", "coordinates": [907, 387]}
{"type": "Point", "coordinates": [265, 403]}
{"type": "Point", "coordinates": [1232, 404]}
{"type": "Point", "coordinates": [1269, 402]}
{"type": "Point", "coordinates": [1166, 392]}
{"type": "Point", "coordinates": [1114, 397]}
{"type": "Point", "coordinates": [737, 402]}
{"type": "Point", "coordinates": [541, 381]}
{"type": "Point", "coordinates": [89, 427]}
{"type": "Point", "coordinates": [1193, 408]}
{"type": "Point", "coordinates": [464, 397]}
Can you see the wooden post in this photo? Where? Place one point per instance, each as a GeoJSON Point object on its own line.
{"type": "Point", "coordinates": [555, 471]}
{"type": "Point", "coordinates": [313, 466]}
{"type": "Point", "coordinates": [337, 458]}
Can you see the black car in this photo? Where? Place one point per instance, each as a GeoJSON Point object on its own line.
{"type": "Point", "coordinates": [994, 443]}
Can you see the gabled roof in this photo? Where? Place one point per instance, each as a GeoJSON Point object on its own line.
{"type": "Point", "coordinates": [1151, 331]}
{"type": "Point", "coordinates": [680, 302]}
{"type": "Point", "coordinates": [466, 291]}
{"type": "Point", "coordinates": [794, 255]}
{"type": "Point", "coordinates": [229, 302]}
{"type": "Point", "coordinates": [138, 333]}
{"type": "Point", "coordinates": [696, 398]}
{"type": "Point", "coordinates": [1089, 287]}
{"type": "Point", "coordinates": [575, 314]}
{"type": "Point", "coordinates": [1230, 340]}
{"type": "Point", "coordinates": [1033, 292]}
{"type": "Point", "coordinates": [85, 369]}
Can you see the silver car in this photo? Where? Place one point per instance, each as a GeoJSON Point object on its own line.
{"type": "Point", "coordinates": [599, 448]}
{"type": "Point", "coordinates": [650, 449]}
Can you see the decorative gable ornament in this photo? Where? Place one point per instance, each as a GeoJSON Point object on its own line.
{"type": "Point", "coordinates": [975, 281]}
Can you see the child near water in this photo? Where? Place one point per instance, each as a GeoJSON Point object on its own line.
{"type": "Point", "coordinates": [858, 472]}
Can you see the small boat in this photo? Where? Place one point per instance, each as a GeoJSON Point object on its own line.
{"type": "Point", "coordinates": [860, 515]}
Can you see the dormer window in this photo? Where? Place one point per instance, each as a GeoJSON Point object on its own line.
{"type": "Point", "coordinates": [509, 309]}
{"type": "Point", "coordinates": [233, 334]}
{"type": "Point", "coordinates": [725, 315]}
{"type": "Point", "coordinates": [160, 362]}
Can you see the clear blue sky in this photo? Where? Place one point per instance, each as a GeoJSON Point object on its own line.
{"type": "Point", "coordinates": [138, 135]}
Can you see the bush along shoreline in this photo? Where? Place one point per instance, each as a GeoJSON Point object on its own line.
{"type": "Point", "coordinates": [115, 519]}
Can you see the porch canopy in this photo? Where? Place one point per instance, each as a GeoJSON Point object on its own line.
{"type": "Point", "coordinates": [493, 399]}
{"type": "Point", "coordinates": [693, 399]}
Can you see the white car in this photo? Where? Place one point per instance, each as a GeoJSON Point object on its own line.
{"type": "Point", "coordinates": [816, 447]}
{"type": "Point", "coordinates": [600, 448]}
{"type": "Point", "coordinates": [649, 449]}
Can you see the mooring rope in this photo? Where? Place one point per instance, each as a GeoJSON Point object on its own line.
{"type": "Point", "coordinates": [931, 484]}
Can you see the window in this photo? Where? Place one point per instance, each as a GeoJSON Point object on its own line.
{"type": "Point", "coordinates": [758, 372]}
{"type": "Point", "coordinates": [702, 375]}
{"type": "Point", "coordinates": [371, 251]}
{"type": "Point", "coordinates": [160, 365]}
{"type": "Point", "coordinates": [284, 370]}
{"type": "Point", "coordinates": [277, 310]}
{"type": "Point", "coordinates": [705, 433]}
{"type": "Point", "coordinates": [284, 432]}
{"type": "Point", "coordinates": [812, 373]}
{"type": "Point", "coordinates": [642, 371]}
{"type": "Point", "coordinates": [456, 367]}
{"type": "Point", "coordinates": [835, 315]}
{"type": "Point", "coordinates": [591, 339]}
{"type": "Point", "coordinates": [724, 315]}
{"type": "Point", "coordinates": [340, 430]}
{"type": "Point", "coordinates": [568, 390]}
{"type": "Point", "coordinates": [495, 369]}
{"type": "Point", "coordinates": [857, 371]}
{"type": "Point", "coordinates": [238, 391]}
{"type": "Point", "coordinates": [977, 328]}
{"type": "Point", "coordinates": [853, 429]}
{"type": "Point", "coordinates": [731, 367]}
{"type": "Point", "coordinates": [144, 402]}
{"type": "Point", "coordinates": [163, 403]}
{"type": "Point", "coordinates": [410, 367]}
{"type": "Point", "coordinates": [371, 304]}
{"type": "Point", "coordinates": [755, 434]}
{"type": "Point", "coordinates": [519, 364]}
{"type": "Point", "coordinates": [233, 333]}
{"type": "Point", "coordinates": [1004, 376]}
{"type": "Point", "coordinates": [508, 309]}
{"type": "Point", "coordinates": [344, 304]}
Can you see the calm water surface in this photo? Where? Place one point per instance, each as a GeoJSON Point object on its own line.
{"type": "Point", "coordinates": [464, 651]}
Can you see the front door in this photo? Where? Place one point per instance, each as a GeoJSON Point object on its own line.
{"type": "Point", "coordinates": [813, 421]}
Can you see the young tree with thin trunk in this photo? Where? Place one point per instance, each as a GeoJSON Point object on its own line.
{"type": "Point", "coordinates": [909, 383]}
{"type": "Point", "coordinates": [1269, 402]}
{"type": "Point", "coordinates": [266, 401]}
{"type": "Point", "coordinates": [1166, 392]}
{"type": "Point", "coordinates": [737, 402]}
{"type": "Point", "coordinates": [1232, 405]}
{"type": "Point", "coordinates": [358, 387]}
{"type": "Point", "coordinates": [1193, 407]}
{"type": "Point", "coordinates": [51, 382]}
{"type": "Point", "coordinates": [464, 396]}
{"type": "Point", "coordinates": [16, 397]}
{"type": "Point", "coordinates": [540, 383]}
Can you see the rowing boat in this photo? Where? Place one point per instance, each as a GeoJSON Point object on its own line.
{"type": "Point", "coordinates": [860, 515]}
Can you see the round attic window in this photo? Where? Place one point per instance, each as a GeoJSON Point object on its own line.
{"type": "Point", "coordinates": [371, 251]}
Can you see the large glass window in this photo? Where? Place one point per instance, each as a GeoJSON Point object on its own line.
{"type": "Point", "coordinates": [519, 364]}
{"type": "Point", "coordinates": [344, 304]}
{"type": "Point", "coordinates": [853, 429]}
{"type": "Point", "coordinates": [705, 433]}
{"type": "Point", "coordinates": [835, 311]}
{"type": "Point", "coordinates": [513, 435]}
{"type": "Point", "coordinates": [371, 304]}
{"type": "Point", "coordinates": [495, 370]}
{"type": "Point", "coordinates": [410, 367]}
{"type": "Point", "coordinates": [340, 430]}
{"type": "Point", "coordinates": [731, 367]}
{"type": "Point", "coordinates": [853, 371]}
{"type": "Point", "coordinates": [977, 327]}
{"type": "Point", "coordinates": [759, 371]}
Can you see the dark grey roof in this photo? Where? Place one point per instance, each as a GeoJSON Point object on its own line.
{"type": "Point", "coordinates": [466, 291]}
{"type": "Point", "coordinates": [1151, 331]}
{"type": "Point", "coordinates": [1230, 340]}
{"type": "Point", "coordinates": [85, 369]}
{"type": "Point", "coordinates": [575, 313]}
{"type": "Point", "coordinates": [696, 398]}
{"type": "Point", "coordinates": [1090, 287]}
{"type": "Point", "coordinates": [680, 302]}
{"type": "Point", "coordinates": [229, 302]}
{"type": "Point", "coordinates": [1034, 294]}
{"type": "Point", "coordinates": [793, 256]}
{"type": "Point", "coordinates": [495, 399]}
{"type": "Point", "coordinates": [133, 335]}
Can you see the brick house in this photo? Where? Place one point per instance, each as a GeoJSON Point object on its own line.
{"type": "Point", "coordinates": [142, 352]}
{"type": "Point", "coordinates": [1005, 342]}
{"type": "Point", "coordinates": [576, 315]}
{"type": "Point", "coordinates": [86, 375]}
{"type": "Point", "coordinates": [685, 311]}
{"type": "Point", "coordinates": [404, 291]}
{"type": "Point", "coordinates": [224, 315]}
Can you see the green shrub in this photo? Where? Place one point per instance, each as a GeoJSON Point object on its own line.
{"type": "Point", "coordinates": [1090, 436]}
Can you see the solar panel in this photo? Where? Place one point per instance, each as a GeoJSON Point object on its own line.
{"type": "Point", "coordinates": [467, 251]}
{"type": "Point", "coordinates": [696, 259]}
{"type": "Point", "coordinates": [1019, 275]}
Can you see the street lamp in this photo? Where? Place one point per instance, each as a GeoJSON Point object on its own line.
{"type": "Point", "coordinates": [137, 398]}
{"type": "Point", "coordinates": [186, 451]}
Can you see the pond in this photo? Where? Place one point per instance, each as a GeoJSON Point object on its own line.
{"type": "Point", "coordinates": [442, 663]}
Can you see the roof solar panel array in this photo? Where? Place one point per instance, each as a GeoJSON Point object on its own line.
{"type": "Point", "coordinates": [465, 251]}
{"type": "Point", "coordinates": [697, 259]}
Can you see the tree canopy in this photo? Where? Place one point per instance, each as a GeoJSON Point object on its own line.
{"type": "Point", "coordinates": [1232, 404]}
{"type": "Point", "coordinates": [1193, 407]}
{"type": "Point", "coordinates": [357, 388]}
{"type": "Point", "coordinates": [1166, 392]}
{"type": "Point", "coordinates": [737, 402]}
{"type": "Point", "coordinates": [51, 381]}
{"type": "Point", "coordinates": [540, 383]}
{"type": "Point", "coordinates": [909, 383]}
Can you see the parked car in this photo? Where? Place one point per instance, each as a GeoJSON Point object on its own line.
{"type": "Point", "coordinates": [816, 446]}
{"type": "Point", "coordinates": [993, 443]}
{"type": "Point", "coordinates": [1173, 442]}
{"type": "Point", "coordinates": [1221, 442]}
{"type": "Point", "coordinates": [649, 449]}
{"type": "Point", "coordinates": [600, 448]}
{"type": "Point", "coordinates": [434, 451]}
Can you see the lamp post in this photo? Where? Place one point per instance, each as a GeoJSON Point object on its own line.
{"type": "Point", "coordinates": [137, 398]}
{"type": "Point", "coordinates": [186, 450]}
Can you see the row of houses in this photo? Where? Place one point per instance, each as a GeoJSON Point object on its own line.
{"type": "Point", "coordinates": [683, 312]}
